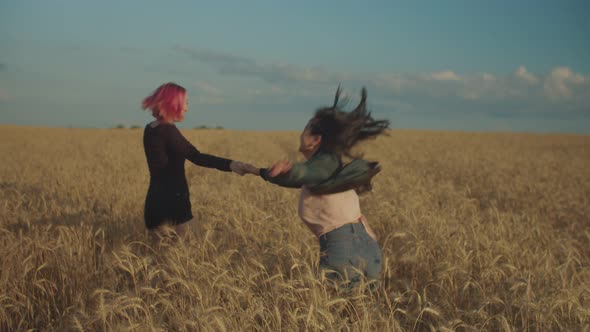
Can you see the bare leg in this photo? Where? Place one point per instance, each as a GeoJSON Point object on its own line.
{"type": "Point", "coordinates": [166, 232]}
{"type": "Point", "coordinates": [155, 237]}
{"type": "Point", "coordinates": [181, 230]}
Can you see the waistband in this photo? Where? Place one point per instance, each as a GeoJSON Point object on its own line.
{"type": "Point", "coordinates": [355, 227]}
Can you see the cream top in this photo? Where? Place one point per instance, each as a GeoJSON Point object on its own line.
{"type": "Point", "coordinates": [323, 213]}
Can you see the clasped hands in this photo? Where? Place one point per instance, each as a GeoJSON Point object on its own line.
{"type": "Point", "coordinates": [241, 168]}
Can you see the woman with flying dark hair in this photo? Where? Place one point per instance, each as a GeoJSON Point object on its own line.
{"type": "Point", "coordinates": [329, 203]}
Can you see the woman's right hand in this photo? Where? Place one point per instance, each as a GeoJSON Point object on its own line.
{"type": "Point", "coordinates": [279, 167]}
{"type": "Point", "coordinates": [241, 168]}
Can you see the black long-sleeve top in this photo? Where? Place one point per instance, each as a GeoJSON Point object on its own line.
{"type": "Point", "coordinates": [166, 149]}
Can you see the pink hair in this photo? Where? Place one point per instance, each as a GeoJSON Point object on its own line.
{"type": "Point", "coordinates": [166, 102]}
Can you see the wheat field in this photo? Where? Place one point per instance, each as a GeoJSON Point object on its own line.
{"type": "Point", "coordinates": [479, 232]}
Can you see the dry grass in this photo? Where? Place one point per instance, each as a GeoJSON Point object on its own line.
{"type": "Point", "coordinates": [478, 231]}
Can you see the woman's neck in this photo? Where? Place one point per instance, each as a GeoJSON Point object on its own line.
{"type": "Point", "coordinates": [310, 153]}
{"type": "Point", "coordinates": [156, 123]}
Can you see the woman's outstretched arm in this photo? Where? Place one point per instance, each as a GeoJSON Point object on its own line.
{"type": "Point", "coordinates": [182, 146]}
{"type": "Point", "coordinates": [317, 169]}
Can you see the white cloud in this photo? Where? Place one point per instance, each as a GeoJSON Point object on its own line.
{"type": "Point", "coordinates": [488, 77]}
{"type": "Point", "coordinates": [392, 82]}
{"type": "Point", "coordinates": [229, 64]}
{"type": "Point", "coordinates": [207, 88]}
{"type": "Point", "coordinates": [446, 75]}
{"type": "Point", "coordinates": [560, 83]}
{"type": "Point", "coordinates": [526, 76]}
{"type": "Point", "coordinates": [444, 89]}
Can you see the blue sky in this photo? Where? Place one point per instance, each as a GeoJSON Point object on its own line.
{"type": "Point", "coordinates": [267, 65]}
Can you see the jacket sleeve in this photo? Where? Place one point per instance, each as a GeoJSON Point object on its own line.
{"type": "Point", "coordinates": [355, 175]}
{"type": "Point", "coordinates": [180, 145]}
{"type": "Point", "coordinates": [311, 172]}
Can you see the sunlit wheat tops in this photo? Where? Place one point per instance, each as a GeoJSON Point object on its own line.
{"type": "Point", "coordinates": [479, 232]}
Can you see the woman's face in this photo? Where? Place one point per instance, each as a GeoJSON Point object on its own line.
{"type": "Point", "coordinates": [184, 110]}
{"type": "Point", "coordinates": [309, 143]}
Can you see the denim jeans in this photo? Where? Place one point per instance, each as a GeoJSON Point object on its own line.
{"type": "Point", "coordinates": [350, 253]}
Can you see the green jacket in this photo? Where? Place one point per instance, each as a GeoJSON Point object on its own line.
{"type": "Point", "coordinates": [324, 173]}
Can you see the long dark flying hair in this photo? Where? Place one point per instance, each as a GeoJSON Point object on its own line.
{"type": "Point", "coordinates": [341, 130]}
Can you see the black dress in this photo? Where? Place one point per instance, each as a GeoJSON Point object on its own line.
{"type": "Point", "coordinates": [168, 199]}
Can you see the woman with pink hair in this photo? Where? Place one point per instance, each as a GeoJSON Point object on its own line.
{"type": "Point", "coordinates": [166, 149]}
